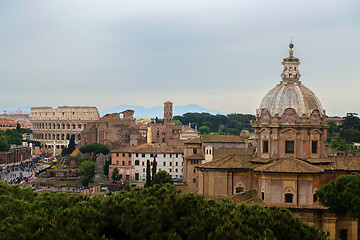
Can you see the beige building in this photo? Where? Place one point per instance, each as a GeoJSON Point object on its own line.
{"type": "Point", "coordinates": [56, 125]}
{"type": "Point", "coordinates": [289, 163]}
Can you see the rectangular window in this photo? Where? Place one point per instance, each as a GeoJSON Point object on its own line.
{"type": "Point", "coordinates": [176, 163]}
{"type": "Point", "coordinates": [265, 146]}
{"type": "Point", "coordinates": [117, 162]}
{"type": "Point", "coordinates": [142, 155]}
{"type": "Point", "coordinates": [123, 154]}
{"type": "Point", "coordinates": [129, 162]}
{"type": "Point", "coordinates": [136, 176]}
{"type": "Point", "coordinates": [164, 163]}
{"type": "Point", "coordinates": [289, 146]}
{"type": "Point", "coordinates": [170, 163]}
{"type": "Point", "coordinates": [123, 162]}
{"type": "Point", "coordinates": [289, 198]}
{"type": "Point", "coordinates": [117, 154]}
{"type": "Point", "coordinates": [151, 155]}
{"type": "Point", "coordinates": [143, 163]}
{"type": "Point", "coordinates": [129, 154]}
{"type": "Point", "coordinates": [176, 170]}
{"type": "Point", "coordinates": [170, 155]}
{"type": "Point", "coordinates": [137, 155]}
{"type": "Point", "coordinates": [177, 155]}
{"type": "Point", "coordinates": [194, 151]}
{"type": "Point", "coordinates": [314, 148]}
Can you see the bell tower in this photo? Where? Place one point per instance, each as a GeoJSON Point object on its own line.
{"type": "Point", "coordinates": [168, 118]}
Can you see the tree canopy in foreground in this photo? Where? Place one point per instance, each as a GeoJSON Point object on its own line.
{"type": "Point", "coordinates": [159, 212]}
{"type": "Point", "coordinates": [342, 195]}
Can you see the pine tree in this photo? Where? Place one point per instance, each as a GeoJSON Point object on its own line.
{"type": "Point", "coordinates": [148, 176]}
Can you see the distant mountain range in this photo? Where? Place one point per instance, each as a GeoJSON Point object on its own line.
{"type": "Point", "coordinates": [158, 111]}
{"type": "Point", "coordinates": [140, 111]}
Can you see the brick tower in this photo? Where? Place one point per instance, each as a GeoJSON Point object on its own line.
{"type": "Point", "coordinates": [168, 115]}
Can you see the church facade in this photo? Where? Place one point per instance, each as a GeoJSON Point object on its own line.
{"type": "Point", "coordinates": [289, 162]}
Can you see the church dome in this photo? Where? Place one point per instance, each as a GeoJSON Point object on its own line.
{"type": "Point", "coordinates": [290, 93]}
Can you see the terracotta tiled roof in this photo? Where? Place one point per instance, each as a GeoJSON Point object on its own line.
{"type": "Point", "coordinates": [290, 165]}
{"type": "Point", "coordinates": [221, 138]}
{"type": "Point", "coordinates": [198, 156]}
{"type": "Point", "coordinates": [319, 160]}
{"type": "Point", "coordinates": [343, 163]}
{"type": "Point", "coordinates": [231, 161]}
{"type": "Point", "coordinates": [194, 140]}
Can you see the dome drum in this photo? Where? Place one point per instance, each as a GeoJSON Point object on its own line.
{"type": "Point", "coordinates": [290, 121]}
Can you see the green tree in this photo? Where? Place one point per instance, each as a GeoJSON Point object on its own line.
{"type": "Point", "coordinates": [177, 122]}
{"type": "Point", "coordinates": [154, 168]}
{"type": "Point", "coordinates": [148, 174]}
{"type": "Point", "coordinates": [4, 146]}
{"type": "Point", "coordinates": [351, 135]}
{"type": "Point", "coordinates": [162, 177]}
{"type": "Point", "coordinates": [95, 149]}
{"type": "Point", "coordinates": [18, 127]}
{"type": "Point", "coordinates": [115, 175]}
{"type": "Point", "coordinates": [106, 168]}
{"type": "Point", "coordinates": [65, 151]}
{"type": "Point", "coordinates": [204, 130]}
{"type": "Point", "coordinates": [342, 195]}
{"type": "Point", "coordinates": [71, 146]}
{"type": "Point", "coordinates": [159, 212]}
{"type": "Point", "coordinates": [87, 172]}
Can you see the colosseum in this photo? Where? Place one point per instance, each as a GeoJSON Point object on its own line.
{"type": "Point", "coordinates": [56, 125]}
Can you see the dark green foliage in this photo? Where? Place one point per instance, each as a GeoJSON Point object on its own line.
{"type": "Point", "coordinates": [159, 212]}
{"type": "Point", "coordinates": [342, 195]}
{"type": "Point", "coordinates": [106, 168]}
{"type": "Point", "coordinates": [148, 174]}
{"type": "Point", "coordinates": [65, 152]}
{"type": "Point", "coordinates": [18, 127]}
{"type": "Point", "coordinates": [71, 146]}
{"type": "Point", "coordinates": [115, 175]}
{"type": "Point", "coordinates": [87, 172]}
{"type": "Point", "coordinates": [12, 136]}
{"type": "Point", "coordinates": [153, 172]}
{"type": "Point", "coordinates": [230, 124]}
{"type": "Point", "coordinates": [162, 177]}
{"type": "Point", "coordinates": [4, 146]}
{"type": "Point", "coordinates": [351, 135]}
{"type": "Point", "coordinates": [95, 149]}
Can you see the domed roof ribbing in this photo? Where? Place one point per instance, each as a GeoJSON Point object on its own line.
{"type": "Point", "coordinates": [290, 93]}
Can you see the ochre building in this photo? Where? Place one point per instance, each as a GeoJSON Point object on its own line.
{"type": "Point", "coordinates": [289, 163]}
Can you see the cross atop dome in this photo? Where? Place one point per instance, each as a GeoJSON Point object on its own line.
{"type": "Point", "coordinates": [291, 67]}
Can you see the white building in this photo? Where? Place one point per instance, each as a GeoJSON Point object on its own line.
{"type": "Point", "coordinates": [169, 161]}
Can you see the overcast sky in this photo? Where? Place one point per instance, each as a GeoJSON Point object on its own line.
{"type": "Point", "coordinates": [222, 55]}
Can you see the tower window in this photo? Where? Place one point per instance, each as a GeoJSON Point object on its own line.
{"type": "Point", "coordinates": [265, 146]}
{"type": "Point", "coordinates": [263, 196]}
{"type": "Point", "coordinates": [314, 148]}
{"type": "Point", "coordinates": [290, 75]}
{"type": "Point", "coordinates": [289, 198]}
{"type": "Point", "coordinates": [290, 68]}
{"type": "Point", "coordinates": [295, 68]}
{"type": "Point", "coordinates": [289, 146]}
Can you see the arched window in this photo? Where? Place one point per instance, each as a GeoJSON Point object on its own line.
{"type": "Point", "coordinates": [240, 188]}
{"type": "Point", "coordinates": [137, 163]}
{"type": "Point", "coordinates": [289, 194]}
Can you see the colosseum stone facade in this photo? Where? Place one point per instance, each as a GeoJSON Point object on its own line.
{"type": "Point", "coordinates": [56, 125]}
